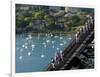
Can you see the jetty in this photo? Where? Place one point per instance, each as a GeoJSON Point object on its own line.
{"type": "Point", "coordinates": [80, 49]}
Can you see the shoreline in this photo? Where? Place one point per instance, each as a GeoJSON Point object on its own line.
{"type": "Point", "coordinates": [48, 33]}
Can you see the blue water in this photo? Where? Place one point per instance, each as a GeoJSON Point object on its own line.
{"type": "Point", "coordinates": [34, 53]}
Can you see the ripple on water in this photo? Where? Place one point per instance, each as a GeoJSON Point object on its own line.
{"type": "Point", "coordinates": [20, 57]}
{"type": "Point", "coordinates": [29, 53]}
{"type": "Point", "coordinates": [42, 56]}
{"type": "Point", "coordinates": [33, 46]}
{"type": "Point", "coordinates": [21, 50]}
{"type": "Point", "coordinates": [61, 44]}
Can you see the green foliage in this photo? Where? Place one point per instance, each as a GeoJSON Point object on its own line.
{"type": "Point", "coordinates": [37, 15]}
{"type": "Point", "coordinates": [25, 20]}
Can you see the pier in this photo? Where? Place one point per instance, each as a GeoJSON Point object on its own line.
{"type": "Point", "coordinates": [76, 54]}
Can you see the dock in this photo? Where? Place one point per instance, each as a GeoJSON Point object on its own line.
{"type": "Point", "coordinates": [76, 54]}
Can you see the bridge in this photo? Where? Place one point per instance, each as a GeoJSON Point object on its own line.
{"type": "Point", "coordinates": [76, 55]}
